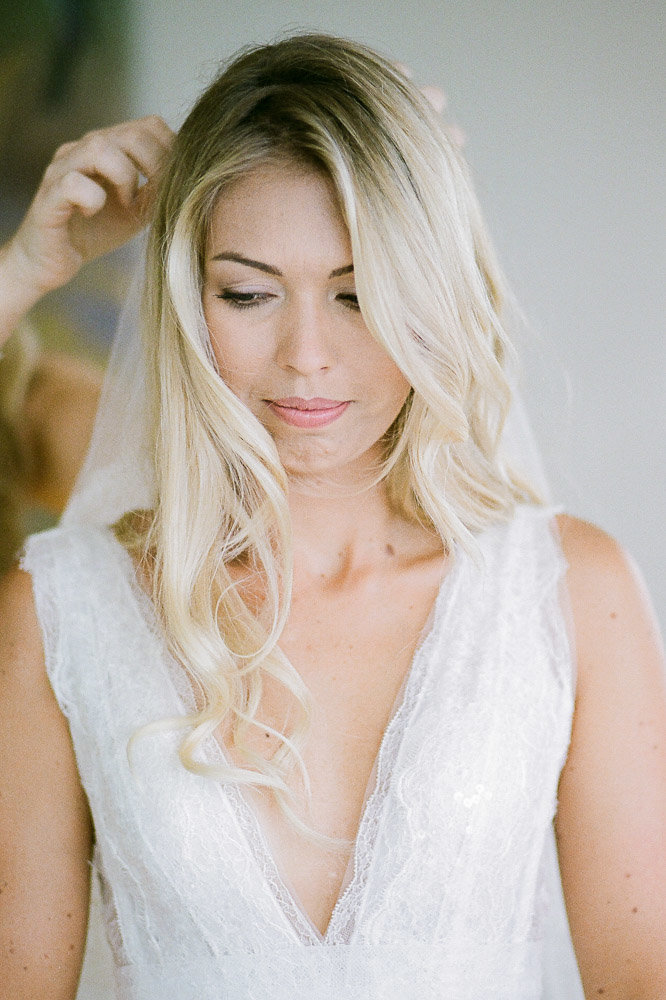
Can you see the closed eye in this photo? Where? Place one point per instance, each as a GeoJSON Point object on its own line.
{"type": "Point", "coordinates": [350, 300]}
{"type": "Point", "coordinates": [243, 300]}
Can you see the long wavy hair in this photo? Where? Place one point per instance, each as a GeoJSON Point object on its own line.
{"type": "Point", "coordinates": [429, 291]}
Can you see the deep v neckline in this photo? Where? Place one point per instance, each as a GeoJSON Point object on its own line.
{"type": "Point", "coordinates": [342, 921]}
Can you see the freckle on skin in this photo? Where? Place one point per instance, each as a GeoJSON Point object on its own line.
{"type": "Point", "coordinates": [613, 614]}
{"type": "Point", "coordinates": [627, 875]}
{"type": "Point", "coordinates": [390, 551]}
{"type": "Point", "coordinates": [634, 909]}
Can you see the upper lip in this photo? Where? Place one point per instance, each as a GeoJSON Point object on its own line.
{"type": "Point", "coordinates": [316, 403]}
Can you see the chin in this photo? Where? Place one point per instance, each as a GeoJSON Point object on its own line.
{"type": "Point", "coordinates": [325, 469]}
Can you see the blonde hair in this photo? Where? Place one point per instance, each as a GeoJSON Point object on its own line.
{"type": "Point", "coordinates": [429, 291]}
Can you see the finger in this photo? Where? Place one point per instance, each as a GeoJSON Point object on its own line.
{"type": "Point", "coordinates": [101, 159]}
{"type": "Point", "coordinates": [113, 168]}
{"type": "Point", "coordinates": [144, 201]}
{"type": "Point", "coordinates": [403, 68]}
{"type": "Point", "coordinates": [435, 96]}
{"type": "Point", "coordinates": [160, 129]}
{"type": "Point", "coordinates": [120, 156]}
{"type": "Point", "coordinates": [456, 135]}
{"type": "Point", "coordinates": [77, 191]}
{"type": "Point", "coordinates": [63, 151]}
{"type": "Point", "coordinates": [146, 142]}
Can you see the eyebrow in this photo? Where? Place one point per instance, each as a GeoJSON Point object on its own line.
{"type": "Point", "coordinates": [269, 269]}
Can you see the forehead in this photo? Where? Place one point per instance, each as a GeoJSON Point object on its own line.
{"type": "Point", "coordinates": [282, 207]}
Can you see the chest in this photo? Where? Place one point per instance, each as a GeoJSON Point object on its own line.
{"type": "Point", "coordinates": [353, 650]}
{"type": "Point", "coordinates": [464, 792]}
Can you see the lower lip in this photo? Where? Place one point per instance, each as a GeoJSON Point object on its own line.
{"type": "Point", "coordinates": [308, 418]}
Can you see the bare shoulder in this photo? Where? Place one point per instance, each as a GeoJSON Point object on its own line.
{"type": "Point", "coordinates": [45, 829]}
{"type": "Point", "coordinates": [611, 821]}
{"type": "Point", "coordinates": [21, 650]}
{"type": "Point", "coordinates": [609, 600]}
{"type": "Point", "coordinates": [593, 554]}
{"type": "Point", "coordinates": [28, 705]}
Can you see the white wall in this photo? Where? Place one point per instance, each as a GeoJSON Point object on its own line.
{"type": "Point", "coordinates": [562, 103]}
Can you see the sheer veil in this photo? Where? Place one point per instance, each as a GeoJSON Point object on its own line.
{"type": "Point", "coordinates": [117, 474]}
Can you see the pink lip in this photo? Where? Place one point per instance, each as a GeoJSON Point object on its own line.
{"type": "Point", "coordinates": [315, 412]}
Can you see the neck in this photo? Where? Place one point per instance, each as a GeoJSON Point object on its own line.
{"type": "Point", "coordinates": [336, 537]}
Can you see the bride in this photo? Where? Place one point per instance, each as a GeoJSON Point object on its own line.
{"type": "Point", "coordinates": [309, 671]}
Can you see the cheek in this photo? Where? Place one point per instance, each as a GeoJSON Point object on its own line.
{"type": "Point", "coordinates": [230, 350]}
{"type": "Point", "coordinates": [229, 364]}
{"type": "Point", "coordinates": [243, 370]}
{"type": "Point", "coordinates": [393, 385]}
{"type": "Point", "coordinates": [379, 368]}
{"type": "Point", "coordinates": [224, 344]}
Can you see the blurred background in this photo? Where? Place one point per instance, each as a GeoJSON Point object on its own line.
{"type": "Point", "coordinates": [562, 105]}
{"type": "Point", "coordinates": [64, 69]}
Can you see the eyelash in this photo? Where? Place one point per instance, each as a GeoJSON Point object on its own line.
{"type": "Point", "coordinates": [242, 300]}
{"type": "Point", "coordinates": [246, 300]}
{"type": "Point", "coordinates": [350, 301]}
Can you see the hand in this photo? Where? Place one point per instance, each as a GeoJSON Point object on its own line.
{"type": "Point", "coordinates": [95, 195]}
{"type": "Point", "coordinates": [438, 100]}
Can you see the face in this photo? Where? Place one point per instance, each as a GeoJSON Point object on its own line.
{"type": "Point", "coordinates": [280, 304]}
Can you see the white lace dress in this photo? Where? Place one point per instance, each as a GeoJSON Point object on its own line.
{"type": "Point", "coordinates": [453, 890]}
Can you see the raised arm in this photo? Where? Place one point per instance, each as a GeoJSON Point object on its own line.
{"type": "Point", "coordinates": [45, 829]}
{"type": "Point", "coordinates": [95, 195]}
{"type": "Point", "coordinates": [92, 199]}
{"type": "Point", "coordinates": [611, 822]}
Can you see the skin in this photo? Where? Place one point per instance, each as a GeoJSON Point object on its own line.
{"type": "Point", "coordinates": [355, 561]}
{"type": "Point", "coordinates": [298, 332]}
{"type": "Point", "coordinates": [611, 821]}
{"type": "Point", "coordinates": [302, 335]}
{"type": "Point", "coordinates": [95, 195]}
{"type": "Point", "coordinates": [57, 418]}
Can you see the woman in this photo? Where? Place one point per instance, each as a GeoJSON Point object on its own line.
{"type": "Point", "coordinates": [330, 625]}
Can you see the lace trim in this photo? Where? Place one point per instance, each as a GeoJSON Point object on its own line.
{"type": "Point", "coordinates": [343, 917]}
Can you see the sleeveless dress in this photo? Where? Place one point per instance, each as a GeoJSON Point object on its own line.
{"type": "Point", "coordinates": [453, 889]}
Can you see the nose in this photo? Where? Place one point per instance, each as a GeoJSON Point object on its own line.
{"type": "Point", "coordinates": [305, 343]}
